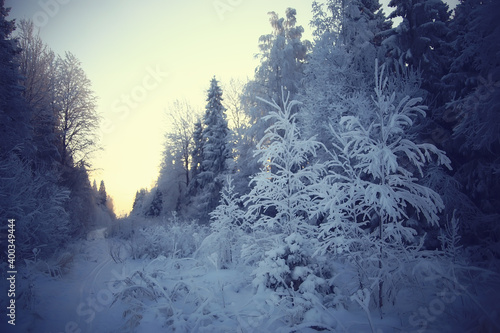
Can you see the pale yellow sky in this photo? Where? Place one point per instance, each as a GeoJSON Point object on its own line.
{"type": "Point", "coordinates": [141, 56]}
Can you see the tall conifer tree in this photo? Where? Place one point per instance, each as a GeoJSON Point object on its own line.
{"type": "Point", "coordinates": [211, 154]}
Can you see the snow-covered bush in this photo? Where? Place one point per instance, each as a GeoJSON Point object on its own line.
{"type": "Point", "coordinates": [226, 223]}
{"type": "Point", "coordinates": [168, 237]}
{"type": "Point", "coordinates": [141, 292]}
{"type": "Point", "coordinates": [36, 203]}
{"type": "Point", "coordinates": [284, 267]}
{"type": "Point", "coordinates": [184, 295]}
{"type": "Point", "coordinates": [289, 274]}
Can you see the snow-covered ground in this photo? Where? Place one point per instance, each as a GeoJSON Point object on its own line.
{"type": "Point", "coordinates": [78, 300]}
{"type": "Point", "coordinates": [103, 289]}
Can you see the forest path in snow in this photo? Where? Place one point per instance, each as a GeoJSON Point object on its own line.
{"type": "Point", "coordinates": [80, 300]}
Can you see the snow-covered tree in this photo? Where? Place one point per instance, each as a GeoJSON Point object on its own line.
{"type": "Point", "coordinates": [78, 120]}
{"type": "Point", "coordinates": [421, 39]}
{"type": "Point", "coordinates": [472, 115]}
{"type": "Point", "coordinates": [180, 137]}
{"type": "Point", "coordinates": [28, 193]}
{"type": "Point", "coordinates": [156, 206]}
{"type": "Point", "coordinates": [139, 199]}
{"type": "Point", "coordinates": [340, 66]}
{"type": "Point", "coordinates": [216, 149]}
{"type": "Point", "coordinates": [212, 154]}
{"type": "Point", "coordinates": [373, 180]}
{"type": "Point", "coordinates": [102, 195]}
{"type": "Point", "coordinates": [82, 203]}
{"type": "Point", "coordinates": [283, 55]}
{"type": "Point", "coordinates": [237, 119]}
{"type": "Point", "coordinates": [281, 212]}
{"type": "Point", "coordinates": [37, 66]}
{"type": "Point", "coordinates": [282, 196]}
{"type": "Point", "coordinates": [179, 177]}
{"type": "Point", "coordinates": [172, 179]}
{"type": "Point", "coordinates": [14, 113]}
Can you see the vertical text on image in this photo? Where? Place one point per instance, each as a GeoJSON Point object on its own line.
{"type": "Point", "coordinates": [11, 252]}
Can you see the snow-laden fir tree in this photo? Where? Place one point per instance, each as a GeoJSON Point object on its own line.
{"type": "Point", "coordinates": [156, 206]}
{"type": "Point", "coordinates": [14, 113]}
{"type": "Point", "coordinates": [473, 112]}
{"type": "Point", "coordinates": [421, 40]}
{"type": "Point", "coordinates": [137, 206]}
{"type": "Point", "coordinates": [102, 195]}
{"type": "Point", "coordinates": [212, 154]}
{"type": "Point", "coordinates": [216, 150]}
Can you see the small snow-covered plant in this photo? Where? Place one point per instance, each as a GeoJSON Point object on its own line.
{"type": "Point", "coordinates": [289, 273]}
{"type": "Point", "coordinates": [362, 297]}
{"type": "Point", "coordinates": [183, 238]}
{"type": "Point", "coordinates": [152, 241]}
{"type": "Point", "coordinates": [141, 292]}
{"type": "Point", "coordinates": [170, 237]}
{"type": "Point", "coordinates": [226, 221]}
{"type": "Point", "coordinates": [450, 239]}
{"type": "Point", "coordinates": [284, 267]}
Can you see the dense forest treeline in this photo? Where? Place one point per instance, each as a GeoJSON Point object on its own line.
{"type": "Point", "coordinates": [48, 133]}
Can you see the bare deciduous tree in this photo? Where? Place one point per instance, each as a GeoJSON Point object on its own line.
{"type": "Point", "coordinates": [237, 118]}
{"type": "Point", "coordinates": [76, 106]}
{"type": "Point", "coordinates": [181, 116]}
{"type": "Point", "coordinates": [37, 63]}
{"type": "Point", "coordinates": [37, 67]}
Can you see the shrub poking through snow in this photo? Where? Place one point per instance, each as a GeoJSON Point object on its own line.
{"type": "Point", "coordinates": [227, 219]}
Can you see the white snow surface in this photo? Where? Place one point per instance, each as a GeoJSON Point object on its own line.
{"type": "Point", "coordinates": [169, 294]}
